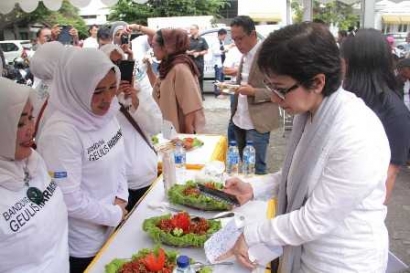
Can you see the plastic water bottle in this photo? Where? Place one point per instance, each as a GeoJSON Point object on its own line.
{"type": "Point", "coordinates": [232, 159]}
{"type": "Point", "coordinates": [183, 265]}
{"type": "Point", "coordinates": [168, 168]}
{"type": "Point", "coordinates": [248, 159]}
{"type": "Point", "coordinates": [180, 162]}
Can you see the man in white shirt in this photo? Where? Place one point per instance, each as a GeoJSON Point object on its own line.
{"type": "Point", "coordinates": [92, 40]}
{"type": "Point", "coordinates": [219, 50]}
{"type": "Point", "coordinates": [252, 102]}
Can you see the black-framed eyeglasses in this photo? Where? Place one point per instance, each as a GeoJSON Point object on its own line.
{"type": "Point", "coordinates": [280, 92]}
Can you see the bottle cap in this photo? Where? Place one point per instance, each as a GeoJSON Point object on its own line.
{"type": "Point", "coordinates": [183, 261]}
{"type": "Point", "coordinates": [232, 143]}
{"type": "Point", "coordinates": [249, 142]}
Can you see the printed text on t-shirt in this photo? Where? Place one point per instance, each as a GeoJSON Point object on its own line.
{"type": "Point", "coordinates": [100, 148]}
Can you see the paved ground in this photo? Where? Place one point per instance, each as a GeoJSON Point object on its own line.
{"type": "Point", "coordinates": [398, 217]}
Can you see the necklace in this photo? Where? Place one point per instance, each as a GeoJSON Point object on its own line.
{"type": "Point", "coordinates": [34, 194]}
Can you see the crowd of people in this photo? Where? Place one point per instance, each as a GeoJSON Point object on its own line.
{"type": "Point", "coordinates": [76, 153]}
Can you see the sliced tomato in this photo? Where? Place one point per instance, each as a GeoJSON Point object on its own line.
{"type": "Point", "coordinates": [154, 263]}
{"type": "Point", "coordinates": [181, 220]}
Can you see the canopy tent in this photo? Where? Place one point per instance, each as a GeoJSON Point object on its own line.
{"type": "Point", "coordinates": [7, 6]}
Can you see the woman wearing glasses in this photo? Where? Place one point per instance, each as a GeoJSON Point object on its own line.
{"type": "Point", "coordinates": [330, 191]}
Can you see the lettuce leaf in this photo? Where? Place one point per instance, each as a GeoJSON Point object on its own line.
{"type": "Point", "coordinates": [115, 265]}
{"type": "Point", "coordinates": [186, 240]}
{"type": "Point", "coordinates": [176, 196]}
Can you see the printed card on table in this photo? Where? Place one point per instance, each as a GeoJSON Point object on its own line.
{"type": "Point", "coordinates": [223, 240]}
{"type": "Point", "coordinates": [168, 130]}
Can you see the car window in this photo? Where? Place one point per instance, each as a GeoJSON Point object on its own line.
{"type": "Point", "coordinates": [26, 45]}
{"type": "Point", "coordinates": [8, 47]}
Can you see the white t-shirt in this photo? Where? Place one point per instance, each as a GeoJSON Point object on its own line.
{"type": "Point", "coordinates": [33, 238]}
{"type": "Point", "coordinates": [91, 42]}
{"type": "Point", "coordinates": [242, 118]}
{"type": "Point", "coordinates": [141, 160]}
{"type": "Point", "coordinates": [233, 59]}
{"type": "Point", "coordinates": [89, 167]}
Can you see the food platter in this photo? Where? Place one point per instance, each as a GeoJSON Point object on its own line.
{"type": "Point", "coordinates": [180, 230]}
{"type": "Point", "coordinates": [189, 195]}
{"type": "Point", "coordinates": [227, 88]}
{"type": "Point", "coordinates": [189, 143]}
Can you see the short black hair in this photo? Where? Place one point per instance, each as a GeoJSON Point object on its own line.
{"type": "Point", "coordinates": [104, 33]}
{"type": "Point", "coordinates": [302, 51]}
{"type": "Point", "coordinates": [222, 31]}
{"type": "Point", "coordinates": [245, 22]}
{"type": "Point", "coordinates": [38, 33]}
{"type": "Point", "coordinates": [91, 27]}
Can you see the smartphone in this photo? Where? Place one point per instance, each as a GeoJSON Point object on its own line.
{"type": "Point", "coordinates": [127, 70]}
{"type": "Point", "coordinates": [65, 38]}
{"type": "Point", "coordinates": [125, 39]}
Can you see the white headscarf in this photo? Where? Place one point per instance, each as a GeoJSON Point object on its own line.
{"type": "Point", "coordinates": [116, 26]}
{"type": "Point", "coordinates": [77, 74]}
{"type": "Point", "coordinates": [13, 98]}
{"type": "Point", "coordinates": [44, 61]}
{"type": "Point", "coordinates": [108, 48]}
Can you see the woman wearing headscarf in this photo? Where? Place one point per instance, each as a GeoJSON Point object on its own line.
{"type": "Point", "coordinates": [140, 157]}
{"type": "Point", "coordinates": [42, 66]}
{"type": "Point", "coordinates": [370, 75]}
{"type": "Point", "coordinates": [82, 145]}
{"type": "Point", "coordinates": [33, 226]}
{"type": "Point", "coordinates": [176, 90]}
{"type": "Point", "coordinates": [331, 189]}
{"type": "Point", "coordinates": [117, 30]}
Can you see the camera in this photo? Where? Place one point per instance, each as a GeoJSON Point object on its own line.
{"type": "Point", "coordinates": [125, 39]}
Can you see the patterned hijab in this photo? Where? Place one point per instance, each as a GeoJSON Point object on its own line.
{"type": "Point", "coordinates": [176, 43]}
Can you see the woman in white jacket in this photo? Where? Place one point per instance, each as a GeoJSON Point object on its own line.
{"type": "Point", "coordinates": [330, 215]}
{"type": "Point", "coordinates": [82, 144]}
{"type": "Point", "coordinates": [140, 157]}
{"type": "Point", "coordinates": [33, 222]}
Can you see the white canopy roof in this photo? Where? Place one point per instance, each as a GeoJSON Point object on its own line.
{"type": "Point", "coordinates": [7, 6]}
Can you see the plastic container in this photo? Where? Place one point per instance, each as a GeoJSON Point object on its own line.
{"type": "Point", "coordinates": [232, 159]}
{"type": "Point", "coordinates": [180, 163]}
{"type": "Point", "coordinates": [168, 167]}
{"type": "Point", "coordinates": [183, 265]}
{"type": "Point", "coordinates": [248, 159]}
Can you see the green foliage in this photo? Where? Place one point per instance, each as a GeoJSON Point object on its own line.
{"type": "Point", "coordinates": [67, 15]}
{"type": "Point", "coordinates": [334, 12]}
{"type": "Point", "coordinates": [128, 11]}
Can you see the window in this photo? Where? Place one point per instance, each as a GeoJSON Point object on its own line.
{"type": "Point", "coordinates": [8, 47]}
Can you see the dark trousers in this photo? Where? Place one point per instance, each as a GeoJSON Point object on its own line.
{"type": "Point", "coordinates": [134, 196]}
{"type": "Point", "coordinates": [201, 80]}
{"type": "Point", "coordinates": [260, 143]}
{"type": "Point", "coordinates": [219, 76]}
{"type": "Point", "coordinates": [78, 265]}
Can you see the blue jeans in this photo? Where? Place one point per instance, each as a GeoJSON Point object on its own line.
{"type": "Point", "coordinates": [260, 143]}
{"type": "Point", "coordinates": [231, 133]}
{"type": "Point", "coordinates": [219, 76]}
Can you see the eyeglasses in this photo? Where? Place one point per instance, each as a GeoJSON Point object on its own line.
{"type": "Point", "coordinates": [280, 92]}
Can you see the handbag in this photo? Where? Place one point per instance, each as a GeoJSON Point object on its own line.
{"type": "Point", "coordinates": [136, 126]}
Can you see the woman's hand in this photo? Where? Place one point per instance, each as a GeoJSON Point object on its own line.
{"type": "Point", "coordinates": [122, 204]}
{"type": "Point", "coordinates": [129, 92]}
{"type": "Point", "coordinates": [240, 250]}
{"type": "Point", "coordinates": [243, 191]}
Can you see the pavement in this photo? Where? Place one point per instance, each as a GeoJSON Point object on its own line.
{"type": "Point", "coordinates": [217, 114]}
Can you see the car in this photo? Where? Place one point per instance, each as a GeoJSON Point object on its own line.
{"type": "Point", "coordinates": [211, 37]}
{"type": "Point", "coordinates": [13, 49]}
{"type": "Point", "coordinates": [405, 49]}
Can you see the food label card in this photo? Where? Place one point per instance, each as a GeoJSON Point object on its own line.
{"type": "Point", "coordinates": [168, 130]}
{"type": "Point", "coordinates": [223, 240]}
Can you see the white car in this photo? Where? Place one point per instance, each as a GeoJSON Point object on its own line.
{"type": "Point", "coordinates": [16, 48]}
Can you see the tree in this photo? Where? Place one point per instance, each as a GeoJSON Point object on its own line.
{"type": "Point", "coordinates": [67, 15]}
{"type": "Point", "coordinates": [334, 12]}
{"type": "Point", "coordinates": [128, 11]}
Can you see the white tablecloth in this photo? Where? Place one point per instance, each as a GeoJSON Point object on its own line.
{"type": "Point", "coordinates": [130, 238]}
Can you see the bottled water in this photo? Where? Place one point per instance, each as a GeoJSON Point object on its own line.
{"type": "Point", "coordinates": [232, 159]}
{"type": "Point", "coordinates": [183, 265]}
{"type": "Point", "coordinates": [248, 159]}
{"type": "Point", "coordinates": [168, 169]}
{"type": "Point", "coordinates": [180, 162]}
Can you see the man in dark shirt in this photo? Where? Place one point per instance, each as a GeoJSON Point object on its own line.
{"type": "Point", "coordinates": [198, 47]}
